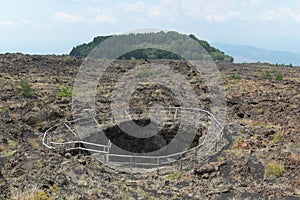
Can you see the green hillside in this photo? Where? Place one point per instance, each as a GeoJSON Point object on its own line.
{"type": "Point", "coordinates": [154, 53]}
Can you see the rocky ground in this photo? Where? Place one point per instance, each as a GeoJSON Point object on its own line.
{"type": "Point", "coordinates": [262, 118]}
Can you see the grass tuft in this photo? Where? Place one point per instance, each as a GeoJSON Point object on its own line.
{"type": "Point", "coordinates": [277, 137]}
{"type": "Point", "coordinates": [266, 75]}
{"type": "Point", "coordinates": [235, 77]}
{"type": "Point", "coordinates": [144, 73]}
{"type": "Point", "coordinates": [26, 89]}
{"type": "Point", "coordinates": [174, 176]}
{"type": "Point", "coordinates": [65, 91]}
{"type": "Point", "coordinates": [274, 169]}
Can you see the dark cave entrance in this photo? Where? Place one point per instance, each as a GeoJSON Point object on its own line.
{"type": "Point", "coordinates": [145, 145]}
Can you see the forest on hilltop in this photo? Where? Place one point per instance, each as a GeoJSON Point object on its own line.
{"type": "Point", "coordinates": [177, 46]}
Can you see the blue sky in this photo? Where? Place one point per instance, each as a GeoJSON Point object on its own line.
{"type": "Point", "coordinates": [55, 26]}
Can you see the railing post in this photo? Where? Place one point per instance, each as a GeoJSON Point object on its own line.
{"type": "Point", "coordinates": [46, 139]}
{"type": "Point", "coordinates": [204, 149]}
{"type": "Point", "coordinates": [216, 144]}
{"type": "Point", "coordinates": [107, 154]}
{"type": "Point", "coordinates": [173, 165]}
{"type": "Point", "coordinates": [131, 164]}
{"type": "Point", "coordinates": [157, 166]}
{"type": "Point", "coordinates": [175, 116]}
{"type": "Point", "coordinates": [195, 161]}
{"type": "Point", "coordinates": [180, 162]}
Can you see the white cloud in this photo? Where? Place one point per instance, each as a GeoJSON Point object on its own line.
{"type": "Point", "coordinates": [154, 12]}
{"type": "Point", "coordinates": [103, 18]}
{"type": "Point", "coordinates": [224, 10]}
{"type": "Point", "coordinates": [93, 10]}
{"type": "Point", "coordinates": [224, 17]}
{"type": "Point", "coordinates": [6, 22]}
{"type": "Point", "coordinates": [92, 1]}
{"type": "Point", "coordinates": [217, 11]}
{"type": "Point", "coordinates": [138, 6]}
{"type": "Point", "coordinates": [182, 11]}
{"type": "Point", "coordinates": [94, 15]}
{"type": "Point", "coordinates": [185, 10]}
{"type": "Point", "coordinates": [25, 21]}
{"type": "Point", "coordinates": [166, 10]}
{"type": "Point", "coordinates": [101, 15]}
{"type": "Point", "coordinates": [68, 18]}
{"type": "Point", "coordinates": [280, 14]}
{"type": "Point", "coordinates": [255, 3]}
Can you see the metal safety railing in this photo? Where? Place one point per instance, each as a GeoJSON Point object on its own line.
{"type": "Point", "coordinates": [212, 144]}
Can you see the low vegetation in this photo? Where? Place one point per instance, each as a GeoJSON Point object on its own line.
{"type": "Point", "coordinates": [278, 77]}
{"type": "Point", "coordinates": [277, 137]}
{"type": "Point", "coordinates": [269, 75]}
{"type": "Point", "coordinates": [65, 92]}
{"type": "Point", "coordinates": [35, 193]}
{"type": "Point", "coordinates": [274, 169]}
{"type": "Point", "coordinates": [235, 76]}
{"type": "Point", "coordinates": [144, 73]}
{"type": "Point", "coordinates": [26, 89]}
{"type": "Point", "coordinates": [174, 176]}
{"type": "Point", "coordinates": [266, 75]}
{"type": "Point", "coordinates": [67, 59]}
{"type": "Point", "coordinates": [154, 53]}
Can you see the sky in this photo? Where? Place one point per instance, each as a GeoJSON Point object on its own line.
{"type": "Point", "coordinates": [55, 26]}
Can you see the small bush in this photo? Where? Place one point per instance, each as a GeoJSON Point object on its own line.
{"type": "Point", "coordinates": [26, 89]}
{"type": "Point", "coordinates": [174, 176]}
{"type": "Point", "coordinates": [235, 76]}
{"type": "Point", "coordinates": [65, 91]}
{"type": "Point", "coordinates": [266, 75]}
{"type": "Point", "coordinates": [144, 73]}
{"type": "Point", "coordinates": [54, 189]}
{"type": "Point", "coordinates": [277, 137]}
{"type": "Point", "coordinates": [34, 143]}
{"type": "Point", "coordinates": [278, 77]}
{"type": "Point", "coordinates": [274, 169]}
{"type": "Point", "coordinates": [41, 195]}
{"type": "Point", "coordinates": [31, 194]}
{"type": "Point", "coordinates": [67, 59]}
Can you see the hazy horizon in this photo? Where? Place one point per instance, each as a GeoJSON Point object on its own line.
{"type": "Point", "coordinates": [55, 26]}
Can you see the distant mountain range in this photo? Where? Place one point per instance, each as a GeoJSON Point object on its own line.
{"type": "Point", "coordinates": [246, 53]}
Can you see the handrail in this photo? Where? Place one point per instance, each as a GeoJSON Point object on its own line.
{"type": "Point", "coordinates": [79, 142]}
{"type": "Point", "coordinates": [157, 160]}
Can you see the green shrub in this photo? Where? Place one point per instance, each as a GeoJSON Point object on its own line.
{"type": "Point", "coordinates": [278, 77]}
{"type": "Point", "coordinates": [235, 76]}
{"type": "Point", "coordinates": [26, 88]}
{"type": "Point", "coordinates": [274, 169]}
{"type": "Point", "coordinates": [277, 137]}
{"type": "Point", "coordinates": [174, 176]}
{"type": "Point", "coordinates": [266, 75]}
{"type": "Point", "coordinates": [65, 91]}
{"type": "Point", "coordinates": [67, 59]}
{"type": "Point", "coordinates": [144, 73]}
